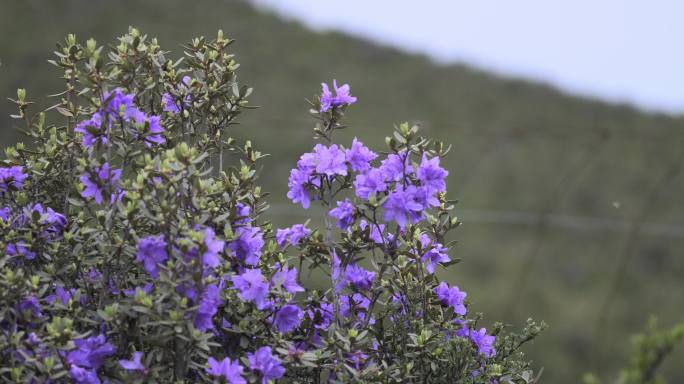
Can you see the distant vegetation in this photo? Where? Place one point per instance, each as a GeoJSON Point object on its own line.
{"type": "Point", "coordinates": [611, 175]}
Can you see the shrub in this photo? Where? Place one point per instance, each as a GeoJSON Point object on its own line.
{"type": "Point", "coordinates": [136, 245]}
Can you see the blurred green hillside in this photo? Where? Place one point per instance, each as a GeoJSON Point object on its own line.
{"type": "Point", "coordinates": [572, 208]}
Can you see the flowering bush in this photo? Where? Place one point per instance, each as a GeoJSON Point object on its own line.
{"type": "Point", "coordinates": [135, 247]}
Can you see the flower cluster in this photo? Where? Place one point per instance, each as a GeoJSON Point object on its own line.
{"type": "Point", "coordinates": [129, 256]}
{"type": "Point", "coordinates": [119, 108]}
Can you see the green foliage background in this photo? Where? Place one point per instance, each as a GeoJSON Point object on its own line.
{"type": "Point", "coordinates": [518, 146]}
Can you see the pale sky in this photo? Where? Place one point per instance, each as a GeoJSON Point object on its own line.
{"type": "Point", "coordinates": [626, 51]}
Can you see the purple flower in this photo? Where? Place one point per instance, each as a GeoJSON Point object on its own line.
{"type": "Point", "coordinates": [402, 207]}
{"type": "Point", "coordinates": [30, 306]}
{"type": "Point", "coordinates": [90, 353]}
{"type": "Point", "coordinates": [298, 191]}
{"type": "Point", "coordinates": [12, 178]}
{"type": "Point", "coordinates": [287, 278]}
{"type": "Point", "coordinates": [425, 197]}
{"type": "Point", "coordinates": [329, 161]}
{"type": "Point", "coordinates": [117, 101]}
{"type": "Point", "coordinates": [211, 300]}
{"type": "Point", "coordinates": [299, 232]}
{"type": "Point", "coordinates": [155, 131]}
{"type": "Point", "coordinates": [371, 182]}
{"type": "Point", "coordinates": [344, 213]}
{"type": "Point", "coordinates": [210, 257]}
{"type": "Point", "coordinates": [484, 342]}
{"type": "Point", "coordinates": [355, 305]}
{"type": "Point", "coordinates": [62, 294]}
{"type": "Point", "coordinates": [321, 316]}
{"type": "Point", "coordinates": [243, 211]}
{"type": "Point", "coordinates": [229, 370]}
{"type": "Point", "coordinates": [451, 297]}
{"type": "Point", "coordinates": [169, 103]}
{"type": "Point", "coordinates": [54, 222]}
{"type": "Point", "coordinates": [133, 292]}
{"type": "Point", "coordinates": [83, 376]}
{"type": "Point", "coordinates": [342, 96]}
{"type": "Point", "coordinates": [99, 179]}
{"type": "Point", "coordinates": [267, 364]}
{"type": "Point", "coordinates": [5, 214]}
{"type": "Point", "coordinates": [20, 249]}
{"type": "Point", "coordinates": [431, 175]}
{"type": "Point", "coordinates": [293, 235]}
{"type": "Point", "coordinates": [134, 364]}
{"type": "Point", "coordinates": [358, 359]}
{"type": "Point", "coordinates": [376, 232]}
{"type": "Point", "coordinates": [253, 287]}
{"type": "Point", "coordinates": [152, 252]}
{"type": "Point", "coordinates": [359, 277]}
{"type": "Point", "coordinates": [93, 131]}
{"type": "Point", "coordinates": [359, 156]}
{"type": "Point", "coordinates": [434, 255]}
{"type": "Point", "coordinates": [247, 247]}
{"type": "Point", "coordinates": [396, 166]}
{"type": "Point", "coordinates": [288, 318]}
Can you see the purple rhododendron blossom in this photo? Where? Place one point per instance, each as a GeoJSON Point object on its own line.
{"type": "Point", "coordinates": [359, 156]}
{"type": "Point", "coordinates": [292, 235]}
{"type": "Point", "coordinates": [355, 305]}
{"type": "Point", "coordinates": [434, 255]}
{"type": "Point", "coordinates": [370, 182]}
{"type": "Point", "coordinates": [288, 318]}
{"type": "Point", "coordinates": [133, 292]}
{"type": "Point", "coordinates": [30, 306]}
{"type": "Point", "coordinates": [211, 300]}
{"type": "Point", "coordinates": [5, 214]}
{"type": "Point", "coordinates": [247, 247]}
{"type": "Point", "coordinates": [12, 178]}
{"type": "Point", "coordinates": [265, 363]}
{"type": "Point", "coordinates": [344, 213]}
{"type": "Point", "coordinates": [20, 248]}
{"type": "Point", "coordinates": [214, 246]}
{"type": "Point", "coordinates": [253, 287]}
{"type": "Point", "coordinates": [321, 316]}
{"type": "Point", "coordinates": [377, 232]}
{"type": "Point", "coordinates": [484, 342]}
{"type": "Point", "coordinates": [342, 96]}
{"type": "Point", "coordinates": [359, 277]}
{"type": "Point", "coordinates": [357, 359]}
{"type": "Point", "coordinates": [119, 106]}
{"type": "Point", "coordinates": [62, 294]}
{"type": "Point", "coordinates": [425, 197]}
{"type": "Point", "coordinates": [329, 161]}
{"type": "Point", "coordinates": [154, 135]}
{"type": "Point", "coordinates": [93, 131]}
{"type": "Point", "coordinates": [243, 211]}
{"type": "Point", "coordinates": [90, 353]}
{"type": "Point", "coordinates": [431, 175]}
{"type": "Point", "coordinates": [287, 278]}
{"type": "Point", "coordinates": [83, 376]}
{"type": "Point", "coordinates": [103, 178]}
{"type": "Point", "coordinates": [54, 222]}
{"type": "Point", "coordinates": [134, 364]}
{"type": "Point", "coordinates": [402, 207]}
{"type": "Point", "coordinates": [297, 187]}
{"type": "Point", "coordinates": [231, 371]}
{"type": "Point", "coordinates": [152, 252]}
{"type": "Point", "coordinates": [452, 297]}
{"type": "Point", "coordinates": [169, 103]}
{"type": "Point", "coordinates": [396, 166]}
